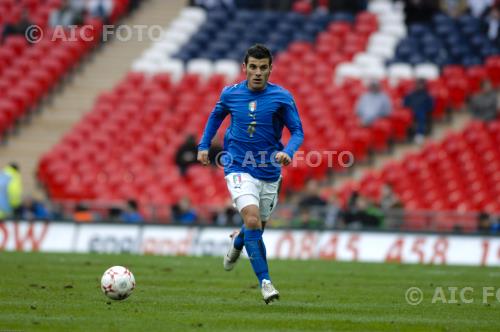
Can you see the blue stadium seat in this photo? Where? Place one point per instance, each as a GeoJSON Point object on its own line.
{"type": "Point", "coordinates": [295, 19]}
{"type": "Point", "coordinates": [418, 30]}
{"type": "Point", "coordinates": [342, 17]}
{"type": "Point", "coordinates": [416, 59]}
{"type": "Point", "coordinates": [471, 60]}
{"type": "Point", "coordinates": [442, 19]}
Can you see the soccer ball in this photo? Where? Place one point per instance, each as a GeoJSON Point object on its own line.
{"type": "Point", "coordinates": [117, 283]}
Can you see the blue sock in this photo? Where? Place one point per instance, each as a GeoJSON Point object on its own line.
{"type": "Point", "coordinates": [256, 251]}
{"type": "Point", "coordinates": [239, 242]}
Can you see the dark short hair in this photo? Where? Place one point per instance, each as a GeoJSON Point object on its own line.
{"type": "Point", "coordinates": [258, 51]}
{"type": "Point", "coordinates": [14, 165]}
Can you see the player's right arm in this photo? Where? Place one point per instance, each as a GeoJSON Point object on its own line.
{"type": "Point", "coordinates": [215, 119]}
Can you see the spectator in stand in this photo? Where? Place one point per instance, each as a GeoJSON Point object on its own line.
{"type": "Point", "coordinates": [65, 16]}
{"type": "Point", "coordinates": [307, 220]}
{"type": "Point", "coordinates": [83, 214]}
{"type": "Point", "coordinates": [350, 6]}
{"type": "Point", "coordinates": [389, 204]}
{"type": "Point", "coordinates": [183, 213]}
{"type": "Point", "coordinates": [227, 216]}
{"type": "Point", "coordinates": [311, 197]}
{"type": "Point", "coordinates": [187, 154]}
{"type": "Point", "coordinates": [131, 214]}
{"type": "Point", "coordinates": [362, 212]}
{"type": "Point", "coordinates": [373, 104]}
{"type": "Point", "coordinates": [17, 28]}
{"type": "Point", "coordinates": [11, 190]}
{"type": "Point", "coordinates": [484, 105]}
{"type": "Point", "coordinates": [33, 209]}
{"type": "Point", "coordinates": [484, 223]}
{"type": "Point", "coordinates": [421, 104]}
{"type": "Point", "coordinates": [479, 8]}
{"type": "Point", "coordinates": [100, 9]}
{"type": "Point", "coordinates": [333, 215]}
{"type": "Point", "coordinates": [492, 18]}
{"type": "Point", "coordinates": [454, 8]}
{"type": "Point", "coordinates": [420, 11]}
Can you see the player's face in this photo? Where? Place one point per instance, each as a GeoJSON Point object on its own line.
{"type": "Point", "coordinates": [257, 71]}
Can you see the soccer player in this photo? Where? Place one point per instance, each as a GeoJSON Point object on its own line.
{"type": "Point", "coordinates": [254, 155]}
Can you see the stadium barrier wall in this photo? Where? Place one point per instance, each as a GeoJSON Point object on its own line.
{"type": "Point", "coordinates": [281, 244]}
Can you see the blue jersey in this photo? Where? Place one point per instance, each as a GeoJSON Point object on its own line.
{"type": "Point", "coordinates": [254, 136]}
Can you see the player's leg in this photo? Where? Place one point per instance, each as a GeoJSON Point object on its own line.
{"type": "Point", "coordinates": [239, 236]}
{"type": "Point", "coordinates": [244, 191]}
{"type": "Point", "coordinates": [254, 244]}
{"type": "Point", "coordinates": [268, 201]}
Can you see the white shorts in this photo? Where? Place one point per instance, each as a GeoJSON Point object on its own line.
{"type": "Point", "coordinates": [246, 190]}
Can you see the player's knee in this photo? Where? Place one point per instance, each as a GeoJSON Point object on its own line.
{"type": "Point", "coordinates": [251, 217]}
{"type": "Point", "coordinates": [252, 221]}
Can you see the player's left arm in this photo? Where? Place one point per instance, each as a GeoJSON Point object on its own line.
{"type": "Point", "coordinates": [292, 122]}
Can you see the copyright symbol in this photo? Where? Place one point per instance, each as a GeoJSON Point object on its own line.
{"type": "Point", "coordinates": [223, 159]}
{"type": "Point", "coordinates": [33, 34]}
{"type": "Point", "coordinates": [414, 296]}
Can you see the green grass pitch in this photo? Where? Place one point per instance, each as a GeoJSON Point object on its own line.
{"type": "Point", "coordinates": [60, 292]}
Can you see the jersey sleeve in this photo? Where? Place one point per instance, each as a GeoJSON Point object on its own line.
{"type": "Point", "coordinates": [293, 123]}
{"type": "Point", "coordinates": [215, 119]}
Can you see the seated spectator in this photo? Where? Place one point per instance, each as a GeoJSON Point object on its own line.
{"type": "Point", "coordinates": [131, 213]}
{"type": "Point", "coordinates": [373, 104]}
{"type": "Point", "coordinates": [186, 154]}
{"type": "Point", "coordinates": [311, 196]}
{"type": "Point", "coordinates": [454, 8]}
{"type": "Point", "coordinates": [65, 16]}
{"type": "Point", "coordinates": [11, 188]}
{"type": "Point", "coordinates": [421, 104]}
{"type": "Point", "coordinates": [484, 105]}
{"type": "Point", "coordinates": [17, 28]}
{"type": "Point", "coordinates": [362, 212]}
{"type": "Point", "coordinates": [483, 223]}
{"type": "Point", "coordinates": [183, 213]}
{"type": "Point", "coordinates": [100, 9]}
{"type": "Point", "coordinates": [492, 26]}
{"type": "Point", "coordinates": [228, 216]}
{"type": "Point", "coordinates": [351, 6]}
{"type": "Point", "coordinates": [420, 11]}
{"type": "Point", "coordinates": [83, 214]}
{"type": "Point", "coordinates": [32, 209]}
{"type": "Point", "coordinates": [389, 199]}
{"type": "Point", "coordinates": [307, 220]}
{"type": "Point", "coordinates": [390, 206]}
{"type": "Point", "coordinates": [479, 8]}
{"type": "Point", "coordinates": [333, 216]}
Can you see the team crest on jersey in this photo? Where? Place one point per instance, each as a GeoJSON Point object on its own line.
{"type": "Point", "coordinates": [237, 180]}
{"type": "Point", "coordinates": [252, 106]}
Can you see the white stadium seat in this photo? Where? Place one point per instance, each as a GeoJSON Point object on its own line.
{"type": "Point", "coordinates": [229, 68]}
{"type": "Point", "coordinates": [368, 60]}
{"type": "Point", "coordinates": [399, 71]}
{"type": "Point", "coordinates": [184, 25]}
{"type": "Point", "coordinates": [382, 51]}
{"type": "Point", "coordinates": [345, 70]}
{"type": "Point", "coordinates": [174, 67]}
{"type": "Point", "coordinates": [428, 71]}
{"type": "Point", "coordinates": [144, 66]}
{"type": "Point", "coordinates": [203, 67]}
{"type": "Point", "coordinates": [372, 73]}
{"type": "Point", "coordinates": [167, 47]}
{"type": "Point", "coordinates": [380, 6]}
{"type": "Point", "coordinates": [394, 29]}
{"type": "Point", "coordinates": [194, 14]}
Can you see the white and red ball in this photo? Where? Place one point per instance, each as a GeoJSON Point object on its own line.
{"type": "Point", "coordinates": [117, 283]}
